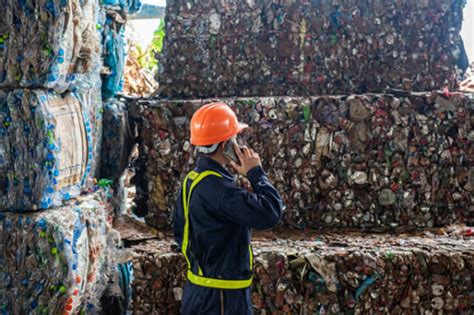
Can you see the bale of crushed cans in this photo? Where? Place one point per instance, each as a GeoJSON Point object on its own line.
{"type": "Point", "coordinates": [271, 48]}
{"type": "Point", "coordinates": [57, 261]}
{"type": "Point", "coordinates": [49, 146]}
{"type": "Point", "coordinates": [159, 275]}
{"type": "Point", "coordinates": [49, 44]}
{"type": "Point", "coordinates": [364, 161]}
{"type": "Point", "coordinates": [329, 273]}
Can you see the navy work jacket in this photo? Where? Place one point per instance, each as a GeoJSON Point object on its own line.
{"type": "Point", "coordinates": [221, 215]}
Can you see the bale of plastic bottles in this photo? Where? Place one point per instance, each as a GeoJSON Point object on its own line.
{"type": "Point", "coordinates": [57, 261]}
{"type": "Point", "coordinates": [49, 44]}
{"type": "Point", "coordinates": [49, 146]}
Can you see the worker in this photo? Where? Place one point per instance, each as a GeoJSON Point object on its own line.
{"type": "Point", "coordinates": [214, 217]}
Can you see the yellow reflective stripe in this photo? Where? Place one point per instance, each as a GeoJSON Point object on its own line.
{"type": "Point", "coordinates": [196, 178]}
{"type": "Point", "coordinates": [197, 181]}
{"type": "Point", "coordinates": [184, 245]}
{"type": "Point", "coordinates": [199, 279]}
{"type": "Point", "coordinates": [193, 175]}
{"type": "Point", "coordinates": [251, 258]}
{"type": "Point", "coordinates": [218, 283]}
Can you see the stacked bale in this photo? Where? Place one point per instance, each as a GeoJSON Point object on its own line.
{"type": "Point", "coordinates": [57, 245]}
{"type": "Point", "coordinates": [342, 156]}
{"type": "Point", "coordinates": [362, 274]}
{"type": "Point", "coordinates": [159, 276]}
{"type": "Point", "coordinates": [273, 48]}
{"type": "Point", "coordinates": [328, 273]}
{"type": "Point", "coordinates": [113, 42]}
{"type": "Point", "coordinates": [117, 147]}
{"type": "Point", "coordinates": [50, 101]}
{"type": "Point", "coordinates": [370, 162]}
{"type": "Point", "coordinates": [50, 147]}
{"type": "Point", "coordinates": [49, 44]}
{"type": "Point", "coordinates": [118, 139]}
{"type": "Point", "coordinates": [56, 261]}
{"type": "Point", "coordinates": [364, 161]}
{"type": "Point", "coordinates": [117, 142]}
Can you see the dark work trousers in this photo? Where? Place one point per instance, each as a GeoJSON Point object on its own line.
{"type": "Point", "coordinates": [199, 300]}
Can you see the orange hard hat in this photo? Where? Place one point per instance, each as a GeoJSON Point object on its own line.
{"type": "Point", "coordinates": [214, 123]}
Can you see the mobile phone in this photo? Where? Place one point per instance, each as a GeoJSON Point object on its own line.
{"type": "Point", "coordinates": [229, 151]}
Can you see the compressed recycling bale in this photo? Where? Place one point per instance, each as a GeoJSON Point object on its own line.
{"type": "Point", "coordinates": [49, 146]}
{"type": "Point", "coordinates": [117, 139]}
{"type": "Point", "coordinates": [49, 44]}
{"type": "Point", "coordinates": [56, 261]}
{"type": "Point", "coordinates": [364, 161]}
{"type": "Point", "coordinates": [117, 146]}
{"type": "Point", "coordinates": [159, 276]}
{"type": "Point", "coordinates": [114, 45]}
{"type": "Point", "coordinates": [343, 273]}
{"type": "Point", "coordinates": [363, 274]}
{"type": "Point", "coordinates": [268, 48]}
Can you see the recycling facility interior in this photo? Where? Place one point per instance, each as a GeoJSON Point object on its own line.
{"type": "Point", "coordinates": [362, 112]}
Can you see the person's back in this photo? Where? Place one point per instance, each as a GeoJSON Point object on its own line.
{"type": "Point", "coordinates": [214, 216]}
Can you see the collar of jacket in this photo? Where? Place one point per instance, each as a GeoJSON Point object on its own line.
{"type": "Point", "coordinates": [205, 163]}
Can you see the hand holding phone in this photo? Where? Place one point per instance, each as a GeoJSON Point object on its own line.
{"type": "Point", "coordinates": [229, 151]}
{"type": "Point", "coordinates": [247, 158]}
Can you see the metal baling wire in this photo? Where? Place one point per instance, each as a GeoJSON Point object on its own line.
{"type": "Point", "coordinates": [237, 35]}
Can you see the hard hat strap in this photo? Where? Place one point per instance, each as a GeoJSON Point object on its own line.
{"type": "Point", "coordinates": [208, 150]}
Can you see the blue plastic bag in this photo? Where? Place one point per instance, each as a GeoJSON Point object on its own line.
{"type": "Point", "coordinates": [114, 46]}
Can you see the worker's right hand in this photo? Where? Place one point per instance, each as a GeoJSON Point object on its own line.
{"type": "Point", "coordinates": [248, 159]}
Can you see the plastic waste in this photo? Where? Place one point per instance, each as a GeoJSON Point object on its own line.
{"type": "Point", "coordinates": [114, 51]}
{"type": "Point", "coordinates": [49, 147]}
{"type": "Point", "coordinates": [128, 6]}
{"type": "Point", "coordinates": [56, 261]}
{"type": "Point", "coordinates": [48, 44]}
{"type": "Point", "coordinates": [104, 182]}
{"type": "Point", "coordinates": [117, 141]}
